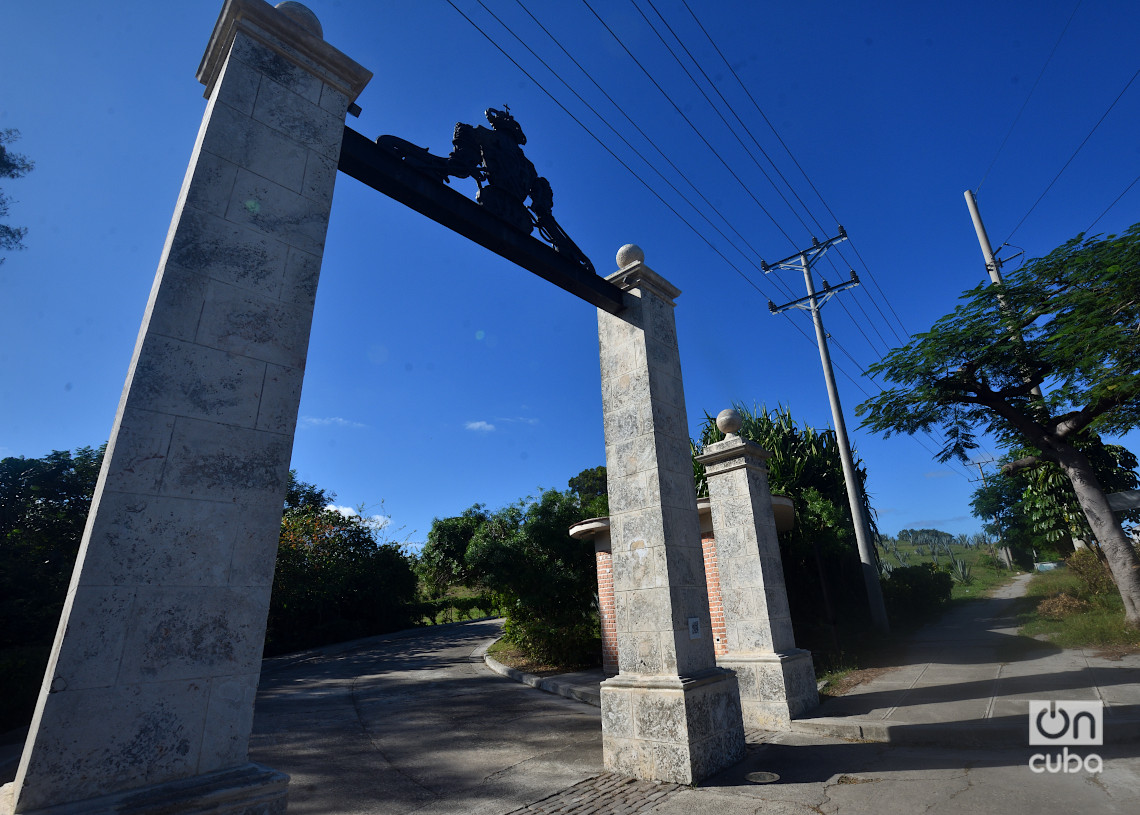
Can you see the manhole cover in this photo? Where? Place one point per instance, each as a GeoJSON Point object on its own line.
{"type": "Point", "coordinates": [762, 777]}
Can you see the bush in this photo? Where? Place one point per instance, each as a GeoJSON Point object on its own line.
{"type": "Point", "coordinates": [914, 592]}
{"type": "Point", "coordinates": [1094, 575]}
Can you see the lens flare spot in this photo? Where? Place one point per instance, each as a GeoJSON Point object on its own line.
{"type": "Point", "coordinates": [480, 334]}
{"type": "Point", "coordinates": [253, 206]}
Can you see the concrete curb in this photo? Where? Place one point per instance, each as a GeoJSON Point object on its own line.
{"type": "Point", "coordinates": [550, 684]}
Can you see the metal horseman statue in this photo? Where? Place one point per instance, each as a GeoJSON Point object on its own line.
{"type": "Point", "coordinates": [506, 178]}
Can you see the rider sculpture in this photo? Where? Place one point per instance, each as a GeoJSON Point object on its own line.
{"type": "Point", "coordinates": [506, 177]}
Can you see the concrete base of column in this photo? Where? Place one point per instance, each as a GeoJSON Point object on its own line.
{"type": "Point", "coordinates": [675, 729]}
{"type": "Point", "coordinates": [247, 790]}
{"type": "Point", "coordinates": [774, 688]}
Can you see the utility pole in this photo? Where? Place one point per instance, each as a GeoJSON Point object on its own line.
{"type": "Point", "coordinates": [993, 265]}
{"type": "Point", "coordinates": [813, 302]}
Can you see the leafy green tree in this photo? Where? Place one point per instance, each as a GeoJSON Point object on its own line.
{"type": "Point", "coordinates": [593, 496]}
{"type": "Point", "coordinates": [12, 165]}
{"type": "Point", "coordinates": [1068, 324]}
{"type": "Point", "coordinates": [820, 556]}
{"type": "Point", "coordinates": [43, 510]}
{"type": "Point", "coordinates": [524, 553]}
{"type": "Point", "coordinates": [443, 561]}
{"type": "Point", "coordinates": [336, 578]}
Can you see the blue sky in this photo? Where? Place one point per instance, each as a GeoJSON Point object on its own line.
{"type": "Point", "coordinates": [441, 375]}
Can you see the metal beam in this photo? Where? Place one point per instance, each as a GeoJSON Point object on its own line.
{"type": "Point", "coordinates": [379, 169]}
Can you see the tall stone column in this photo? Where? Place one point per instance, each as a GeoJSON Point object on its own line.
{"type": "Point", "coordinates": [670, 714]}
{"type": "Point", "coordinates": [147, 703]}
{"type": "Point", "coordinates": [777, 680]}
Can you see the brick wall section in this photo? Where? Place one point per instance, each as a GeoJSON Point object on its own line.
{"type": "Point", "coordinates": [716, 608]}
{"type": "Point", "coordinates": [609, 618]}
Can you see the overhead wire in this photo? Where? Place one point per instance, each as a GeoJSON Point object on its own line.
{"type": "Point", "coordinates": [1028, 96]}
{"type": "Point", "coordinates": [644, 183]}
{"type": "Point", "coordinates": [799, 167]}
{"type": "Point", "coordinates": [1114, 202]}
{"type": "Point", "coordinates": [1074, 155]}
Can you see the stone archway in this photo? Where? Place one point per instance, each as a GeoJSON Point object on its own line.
{"type": "Point", "coordinates": [147, 702]}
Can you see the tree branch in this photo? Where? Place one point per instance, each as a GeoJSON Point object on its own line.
{"type": "Point", "coordinates": [1020, 464]}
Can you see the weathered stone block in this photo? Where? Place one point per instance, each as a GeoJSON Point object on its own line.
{"type": "Point", "coordinates": [271, 65]}
{"type": "Point", "coordinates": [257, 147]}
{"type": "Point", "coordinates": [255, 326]}
{"type": "Point", "coordinates": [215, 462]}
{"type": "Point", "coordinates": [211, 246]}
{"type": "Point", "coordinates": [304, 122]}
{"type": "Point", "coordinates": [280, 398]}
{"type": "Point", "coordinates": [177, 303]}
{"type": "Point", "coordinates": [211, 183]}
{"type": "Point", "coordinates": [278, 212]}
{"type": "Point", "coordinates": [194, 633]}
{"type": "Point", "coordinates": [186, 379]}
{"type": "Point", "coordinates": [138, 455]}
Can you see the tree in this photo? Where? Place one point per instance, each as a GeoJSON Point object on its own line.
{"type": "Point", "coordinates": [335, 579]}
{"type": "Point", "coordinates": [12, 165]}
{"type": "Point", "coordinates": [443, 560]}
{"type": "Point", "coordinates": [591, 488]}
{"type": "Point", "coordinates": [1067, 323]}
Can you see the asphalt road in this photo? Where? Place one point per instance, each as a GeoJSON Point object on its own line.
{"type": "Point", "coordinates": [419, 724]}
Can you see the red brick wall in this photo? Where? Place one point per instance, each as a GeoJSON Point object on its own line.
{"type": "Point", "coordinates": [716, 608]}
{"type": "Point", "coordinates": [609, 620]}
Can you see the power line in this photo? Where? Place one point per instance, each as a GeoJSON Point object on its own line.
{"type": "Point", "coordinates": [689, 122]}
{"type": "Point", "coordinates": [1074, 155]}
{"type": "Point", "coordinates": [799, 167]}
{"type": "Point", "coordinates": [1114, 202]}
{"type": "Point", "coordinates": [1028, 97]}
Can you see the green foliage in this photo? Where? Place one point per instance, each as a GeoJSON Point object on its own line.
{"type": "Point", "coordinates": [546, 578]}
{"type": "Point", "coordinates": [336, 579]}
{"type": "Point", "coordinates": [443, 560]}
{"type": "Point", "coordinates": [12, 165]}
{"type": "Point", "coordinates": [820, 556]}
{"type": "Point", "coordinates": [543, 580]}
{"type": "Point", "coordinates": [1069, 324]}
{"type": "Point", "coordinates": [1094, 576]}
{"type": "Point", "coordinates": [916, 592]}
{"type": "Point", "coordinates": [43, 510]}
{"type": "Point", "coordinates": [590, 488]}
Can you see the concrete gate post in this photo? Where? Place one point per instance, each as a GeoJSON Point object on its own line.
{"type": "Point", "coordinates": [777, 680]}
{"type": "Point", "coordinates": [147, 703]}
{"type": "Point", "coordinates": [670, 714]}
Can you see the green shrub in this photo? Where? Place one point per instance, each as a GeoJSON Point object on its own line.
{"type": "Point", "coordinates": [914, 592]}
{"type": "Point", "coordinates": [1094, 576]}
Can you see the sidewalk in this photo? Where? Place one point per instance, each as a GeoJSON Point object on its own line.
{"type": "Point", "coordinates": [965, 680]}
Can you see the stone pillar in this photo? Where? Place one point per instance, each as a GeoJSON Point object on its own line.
{"type": "Point", "coordinates": [670, 714]}
{"type": "Point", "coordinates": [147, 703]}
{"type": "Point", "coordinates": [777, 680]}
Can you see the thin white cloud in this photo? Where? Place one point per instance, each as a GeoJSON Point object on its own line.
{"type": "Point", "coordinates": [331, 421]}
{"type": "Point", "coordinates": [376, 522]}
{"type": "Point", "coordinates": [480, 426]}
{"type": "Point", "coordinates": [517, 420]}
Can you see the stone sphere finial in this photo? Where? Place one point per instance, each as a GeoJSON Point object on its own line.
{"type": "Point", "coordinates": [303, 16]}
{"type": "Point", "coordinates": [729, 421]}
{"type": "Point", "coordinates": [630, 254]}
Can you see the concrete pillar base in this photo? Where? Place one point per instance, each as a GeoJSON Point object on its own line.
{"type": "Point", "coordinates": [774, 688]}
{"type": "Point", "coordinates": [247, 790]}
{"type": "Point", "coordinates": [674, 729]}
